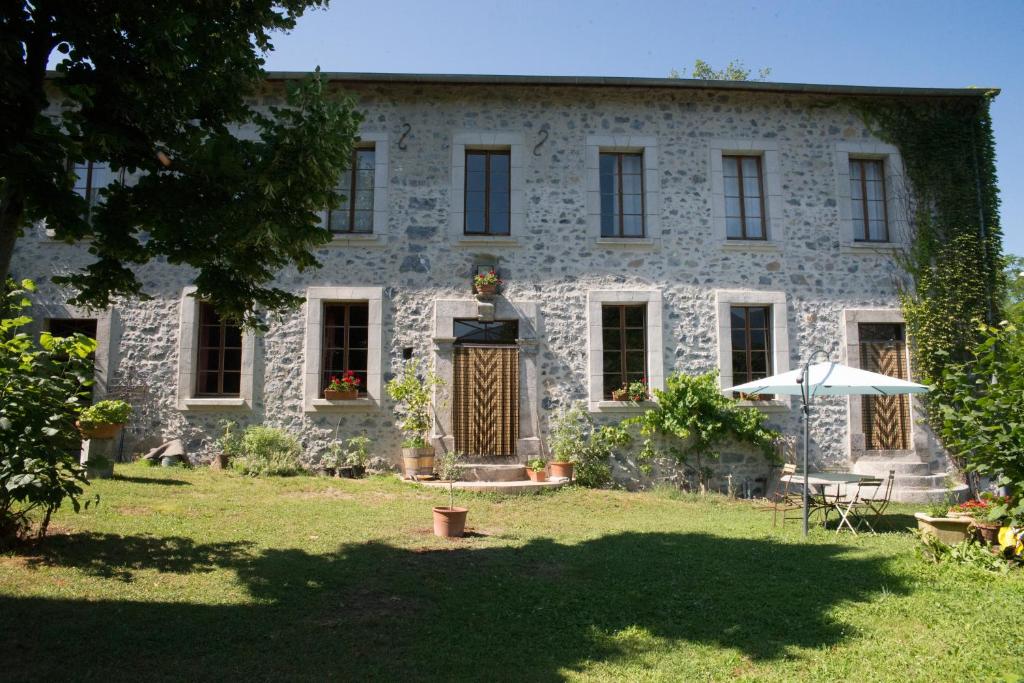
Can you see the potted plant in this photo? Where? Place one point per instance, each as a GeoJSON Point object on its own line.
{"type": "Point", "coordinates": [637, 390]}
{"type": "Point", "coordinates": [345, 388]}
{"type": "Point", "coordinates": [985, 519]}
{"type": "Point", "coordinates": [330, 460]}
{"type": "Point", "coordinates": [357, 455]}
{"type": "Point", "coordinates": [486, 284]}
{"type": "Point", "coordinates": [103, 420]}
{"type": "Point", "coordinates": [229, 445]}
{"type": "Point", "coordinates": [450, 521]}
{"type": "Point", "coordinates": [620, 394]}
{"type": "Point", "coordinates": [569, 433]}
{"type": "Point", "coordinates": [935, 522]}
{"type": "Point", "coordinates": [413, 395]}
{"type": "Point", "coordinates": [536, 469]}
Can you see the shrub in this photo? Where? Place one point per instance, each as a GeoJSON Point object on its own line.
{"type": "Point", "coordinates": [413, 395]}
{"type": "Point", "coordinates": [576, 439]}
{"type": "Point", "coordinates": [41, 395]}
{"type": "Point", "coordinates": [268, 452]}
{"type": "Point", "coordinates": [357, 452]}
{"type": "Point", "coordinates": [105, 413]}
{"type": "Point", "coordinates": [697, 417]}
{"type": "Point", "coordinates": [230, 442]}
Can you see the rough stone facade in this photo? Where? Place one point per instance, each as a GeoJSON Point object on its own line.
{"type": "Point", "coordinates": [552, 261]}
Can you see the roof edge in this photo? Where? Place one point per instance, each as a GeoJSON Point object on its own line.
{"type": "Point", "coordinates": [634, 82]}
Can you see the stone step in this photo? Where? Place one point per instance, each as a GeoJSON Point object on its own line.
{"type": "Point", "coordinates": [880, 468]}
{"type": "Point", "coordinates": [921, 482]}
{"type": "Point", "coordinates": [959, 493]}
{"type": "Point", "coordinates": [487, 472]}
{"type": "Point", "coordinates": [505, 487]}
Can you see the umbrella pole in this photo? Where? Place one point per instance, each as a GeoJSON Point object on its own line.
{"type": "Point", "coordinates": [805, 399]}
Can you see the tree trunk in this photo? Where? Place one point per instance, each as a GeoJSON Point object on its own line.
{"type": "Point", "coordinates": [11, 212]}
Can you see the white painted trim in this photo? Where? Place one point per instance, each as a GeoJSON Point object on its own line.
{"type": "Point", "coordinates": [595, 344]}
{"type": "Point", "coordinates": [724, 300]}
{"type": "Point", "coordinates": [768, 150]}
{"type": "Point", "coordinates": [188, 343]}
{"type": "Point", "coordinates": [514, 142]}
{"type": "Point", "coordinates": [896, 195]}
{"type": "Point", "coordinates": [646, 145]}
{"type": "Point", "coordinates": [107, 326]}
{"type": "Point", "coordinates": [312, 401]}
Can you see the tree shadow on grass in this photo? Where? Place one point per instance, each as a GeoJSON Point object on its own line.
{"type": "Point", "coordinates": [459, 613]}
{"type": "Point", "coordinates": [148, 480]}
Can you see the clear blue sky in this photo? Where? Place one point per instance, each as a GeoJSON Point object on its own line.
{"type": "Point", "coordinates": [895, 42]}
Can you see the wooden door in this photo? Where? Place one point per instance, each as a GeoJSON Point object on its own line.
{"type": "Point", "coordinates": [485, 395]}
{"type": "Point", "coordinates": [885, 419]}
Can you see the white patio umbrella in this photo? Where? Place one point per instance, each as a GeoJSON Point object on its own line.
{"type": "Point", "coordinates": [826, 379]}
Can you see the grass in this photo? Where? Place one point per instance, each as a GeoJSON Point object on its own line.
{"type": "Point", "coordinates": [207, 575]}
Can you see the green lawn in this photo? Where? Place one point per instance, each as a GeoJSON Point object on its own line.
{"type": "Point", "coordinates": [206, 575]}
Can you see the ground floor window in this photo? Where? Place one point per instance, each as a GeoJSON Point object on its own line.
{"type": "Point", "coordinates": [219, 355]}
{"type": "Point", "coordinates": [624, 336]}
{"type": "Point", "coordinates": [345, 342]}
{"type": "Point", "coordinates": [751, 328]}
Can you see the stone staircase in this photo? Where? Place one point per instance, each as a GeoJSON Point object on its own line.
{"type": "Point", "coordinates": [916, 481]}
{"type": "Point", "coordinates": [491, 477]}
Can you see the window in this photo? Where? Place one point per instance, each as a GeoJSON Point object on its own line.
{"type": "Point", "coordinates": [346, 335]}
{"type": "Point", "coordinates": [355, 214]}
{"type": "Point", "coordinates": [744, 197]}
{"type": "Point", "coordinates": [750, 327]}
{"type": "Point", "coordinates": [473, 331]}
{"type": "Point", "coordinates": [91, 177]}
{"type": "Point", "coordinates": [624, 336]}
{"type": "Point", "coordinates": [220, 355]}
{"type": "Point", "coordinates": [622, 194]}
{"type": "Point", "coordinates": [867, 194]}
{"type": "Point", "coordinates": [488, 192]}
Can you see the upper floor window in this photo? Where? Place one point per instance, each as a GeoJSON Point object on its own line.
{"type": "Point", "coordinates": [488, 192]}
{"type": "Point", "coordinates": [750, 327]}
{"type": "Point", "coordinates": [355, 213]}
{"type": "Point", "coordinates": [622, 194]}
{"type": "Point", "coordinates": [346, 330]}
{"type": "Point", "coordinates": [744, 197]}
{"type": "Point", "coordinates": [867, 193]}
{"type": "Point", "coordinates": [220, 355]}
{"type": "Point", "coordinates": [91, 177]}
{"type": "Point", "coordinates": [624, 337]}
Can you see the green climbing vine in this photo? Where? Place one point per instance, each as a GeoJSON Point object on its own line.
{"type": "Point", "coordinates": [955, 260]}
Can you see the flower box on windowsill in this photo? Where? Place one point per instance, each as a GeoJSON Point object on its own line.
{"type": "Point", "coordinates": [332, 395]}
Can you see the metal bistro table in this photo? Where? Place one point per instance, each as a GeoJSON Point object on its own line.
{"type": "Point", "coordinates": [819, 481]}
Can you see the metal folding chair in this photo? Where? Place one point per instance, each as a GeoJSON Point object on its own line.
{"type": "Point", "coordinates": [785, 500]}
{"type": "Point", "coordinates": [854, 510]}
{"type": "Point", "coordinates": [877, 504]}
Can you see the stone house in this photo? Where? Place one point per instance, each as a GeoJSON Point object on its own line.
{"type": "Point", "coordinates": [641, 227]}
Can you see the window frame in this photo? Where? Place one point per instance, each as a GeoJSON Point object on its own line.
{"type": "Point", "coordinates": [346, 348]}
{"type": "Point", "coordinates": [623, 349]}
{"type": "Point", "coordinates": [487, 154]}
{"type": "Point", "coordinates": [353, 187]}
{"type": "Point", "coordinates": [748, 350]}
{"type": "Point", "coordinates": [864, 236]}
{"type": "Point", "coordinates": [759, 159]}
{"type": "Point", "coordinates": [725, 299]}
{"type": "Point", "coordinates": [118, 177]}
{"type": "Point", "coordinates": [620, 217]}
{"type": "Point", "coordinates": [205, 309]}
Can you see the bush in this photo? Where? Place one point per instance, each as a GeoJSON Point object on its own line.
{"type": "Point", "coordinates": [105, 413]}
{"type": "Point", "coordinates": [413, 394]}
{"type": "Point", "coordinates": [576, 439]}
{"type": "Point", "coordinates": [268, 452]}
{"type": "Point", "coordinates": [41, 394]}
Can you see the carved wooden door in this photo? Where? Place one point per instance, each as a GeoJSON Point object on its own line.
{"type": "Point", "coordinates": [485, 395]}
{"type": "Point", "coordinates": [885, 419]}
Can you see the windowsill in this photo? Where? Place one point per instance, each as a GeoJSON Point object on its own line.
{"type": "Point", "coordinates": [214, 403]}
{"type": "Point", "coordinates": [627, 242]}
{"type": "Point", "coordinates": [351, 405]}
{"type": "Point", "coordinates": [621, 406]}
{"type": "Point", "coordinates": [355, 239]}
{"type": "Point", "coordinates": [869, 247]}
{"type": "Point", "coordinates": [774, 406]}
{"type": "Point", "coordinates": [489, 240]}
{"type": "Point", "coordinates": [752, 245]}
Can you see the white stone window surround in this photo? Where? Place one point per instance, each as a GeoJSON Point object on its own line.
{"type": "Point", "coordinates": [381, 179]}
{"type": "Point", "coordinates": [188, 343]}
{"type": "Point", "coordinates": [596, 299]}
{"type": "Point", "coordinates": [647, 145]}
{"type": "Point", "coordinates": [724, 300]}
{"type": "Point", "coordinates": [514, 142]}
{"type": "Point", "coordinates": [107, 325]}
{"type": "Point", "coordinates": [768, 150]}
{"type": "Point", "coordinates": [896, 197]}
{"type": "Point", "coordinates": [919, 438]}
{"type": "Point", "coordinates": [316, 297]}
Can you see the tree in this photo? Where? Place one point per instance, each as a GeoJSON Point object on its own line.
{"type": "Point", "coordinates": [156, 90]}
{"type": "Point", "coordinates": [733, 71]}
{"type": "Point", "coordinates": [1015, 289]}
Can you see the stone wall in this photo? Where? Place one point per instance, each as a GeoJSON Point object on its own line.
{"type": "Point", "coordinates": [555, 259]}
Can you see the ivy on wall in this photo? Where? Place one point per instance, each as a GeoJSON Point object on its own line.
{"type": "Point", "coordinates": [955, 259]}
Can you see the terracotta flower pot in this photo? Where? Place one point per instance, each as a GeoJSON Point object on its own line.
{"type": "Point", "coordinates": [988, 531]}
{"type": "Point", "coordinates": [535, 475]}
{"type": "Point", "coordinates": [561, 469]}
{"type": "Point", "coordinates": [486, 290]}
{"type": "Point", "coordinates": [220, 461]}
{"type": "Point", "coordinates": [619, 394]}
{"type": "Point", "coordinates": [100, 431]}
{"type": "Point", "coordinates": [332, 395]}
{"type": "Point", "coordinates": [450, 522]}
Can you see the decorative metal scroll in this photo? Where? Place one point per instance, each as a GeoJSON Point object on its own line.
{"type": "Point", "coordinates": [543, 139]}
{"type": "Point", "coordinates": [406, 129]}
